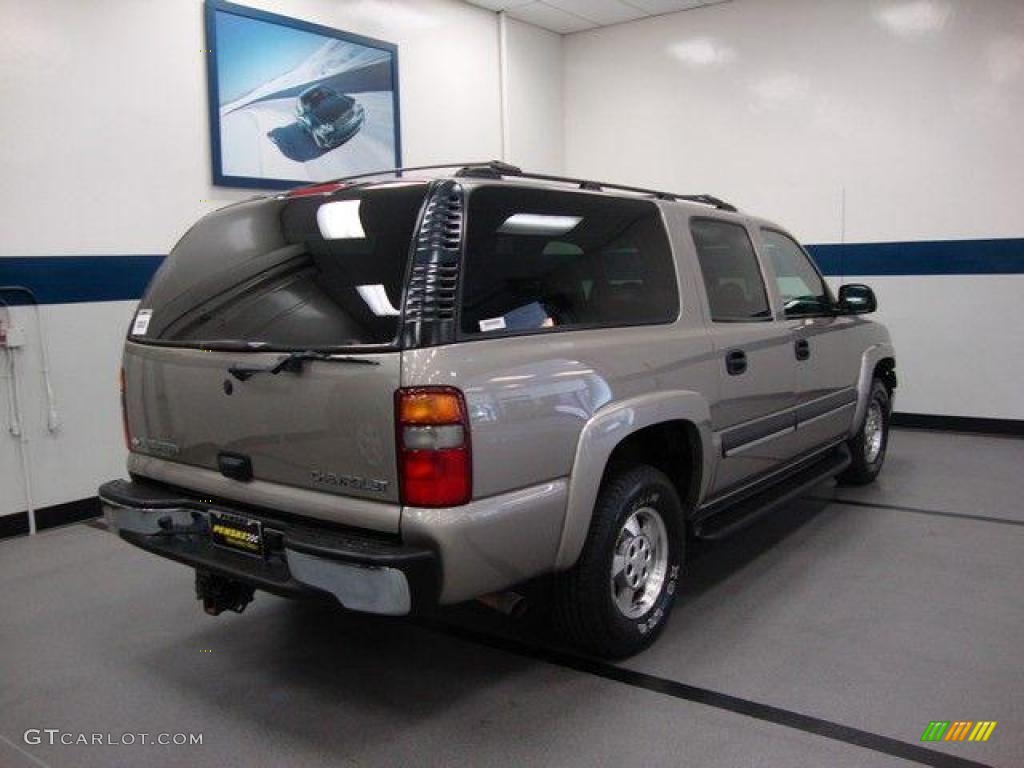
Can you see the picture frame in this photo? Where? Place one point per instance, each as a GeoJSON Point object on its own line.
{"type": "Point", "coordinates": [294, 103]}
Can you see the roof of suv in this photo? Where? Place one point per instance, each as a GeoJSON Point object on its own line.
{"type": "Point", "coordinates": [495, 170]}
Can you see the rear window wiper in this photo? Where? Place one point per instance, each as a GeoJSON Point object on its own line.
{"type": "Point", "coordinates": [293, 362]}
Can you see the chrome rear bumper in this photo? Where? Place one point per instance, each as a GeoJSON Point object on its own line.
{"type": "Point", "coordinates": [363, 573]}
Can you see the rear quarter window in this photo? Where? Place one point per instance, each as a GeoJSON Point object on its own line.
{"type": "Point", "coordinates": [542, 260]}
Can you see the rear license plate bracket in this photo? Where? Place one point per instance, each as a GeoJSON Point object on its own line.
{"type": "Point", "coordinates": [237, 533]}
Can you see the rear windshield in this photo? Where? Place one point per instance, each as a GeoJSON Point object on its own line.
{"type": "Point", "coordinates": [294, 273]}
{"type": "Point", "coordinates": [540, 260]}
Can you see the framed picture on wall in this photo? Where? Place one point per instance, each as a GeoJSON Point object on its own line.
{"type": "Point", "coordinates": [293, 103]}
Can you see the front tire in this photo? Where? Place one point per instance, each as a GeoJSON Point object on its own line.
{"type": "Point", "coordinates": [615, 600]}
{"type": "Point", "coordinates": [869, 445]}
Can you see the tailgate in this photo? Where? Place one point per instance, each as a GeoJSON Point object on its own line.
{"type": "Point", "coordinates": [305, 274]}
{"type": "Point", "coordinates": [327, 428]}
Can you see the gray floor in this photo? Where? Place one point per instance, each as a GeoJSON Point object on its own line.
{"type": "Point", "coordinates": [873, 618]}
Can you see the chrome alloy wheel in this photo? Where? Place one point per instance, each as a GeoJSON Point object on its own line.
{"type": "Point", "coordinates": [640, 563]}
{"type": "Point", "coordinates": [874, 431]}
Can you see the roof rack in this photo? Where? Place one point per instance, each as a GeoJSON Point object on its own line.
{"type": "Point", "coordinates": [407, 169]}
{"type": "Point", "coordinates": [496, 169]}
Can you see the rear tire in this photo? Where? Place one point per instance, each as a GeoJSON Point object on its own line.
{"type": "Point", "coordinates": [615, 600]}
{"type": "Point", "coordinates": [869, 445]}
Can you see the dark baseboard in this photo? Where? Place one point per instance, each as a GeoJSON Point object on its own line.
{"type": "Point", "coordinates": [1014, 427]}
{"type": "Point", "coordinates": [51, 517]}
{"type": "Point", "coordinates": [13, 525]}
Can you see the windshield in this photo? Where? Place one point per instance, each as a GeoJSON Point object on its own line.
{"type": "Point", "coordinates": [295, 273]}
{"type": "Point", "coordinates": [312, 98]}
{"type": "Point", "coordinates": [331, 109]}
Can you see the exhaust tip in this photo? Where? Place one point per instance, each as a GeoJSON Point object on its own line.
{"type": "Point", "coordinates": [512, 604]}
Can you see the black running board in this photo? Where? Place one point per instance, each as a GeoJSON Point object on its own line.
{"type": "Point", "coordinates": [724, 519]}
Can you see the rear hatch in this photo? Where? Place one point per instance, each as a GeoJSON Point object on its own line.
{"type": "Point", "coordinates": [245, 288]}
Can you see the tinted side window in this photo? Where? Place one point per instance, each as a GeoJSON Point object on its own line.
{"type": "Point", "coordinates": [538, 258]}
{"type": "Point", "coordinates": [732, 276]}
{"type": "Point", "coordinates": [803, 291]}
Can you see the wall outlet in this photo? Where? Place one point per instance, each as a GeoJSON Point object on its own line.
{"type": "Point", "coordinates": [13, 338]}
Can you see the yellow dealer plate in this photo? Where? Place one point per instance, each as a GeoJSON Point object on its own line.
{"type": "Point", "coordinates": [237, 533]}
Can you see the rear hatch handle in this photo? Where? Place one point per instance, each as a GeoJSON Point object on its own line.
{"type": "Point", "coordinates": [292, 363]}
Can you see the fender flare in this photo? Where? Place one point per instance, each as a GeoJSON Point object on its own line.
{"type": "Point", "coordinates": [868, 360]}
{"type": "Point", "coordinates": [599, 437]}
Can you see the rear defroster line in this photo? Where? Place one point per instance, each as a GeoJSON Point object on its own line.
{"type": "Point", "coordinates": [685, 692]}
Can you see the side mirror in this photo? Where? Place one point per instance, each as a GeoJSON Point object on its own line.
{"type": "Point", "coordinates": [856, 299]}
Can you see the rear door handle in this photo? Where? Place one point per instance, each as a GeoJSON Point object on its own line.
{"type": "Point", "coordinates": [736, 362]}
{"type": "Point", "coordinates": [802, 347]}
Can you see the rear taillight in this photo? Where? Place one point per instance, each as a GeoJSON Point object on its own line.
{"type": "Point", "coordinates": [316, 189]}
{"type": "Point", "coordinates": [124, 414]}
{"type": "Point", "coordinates": [434, 457]}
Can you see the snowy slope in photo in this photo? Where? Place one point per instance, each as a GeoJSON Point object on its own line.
{"type": "Point", "coordinates": [332, 58]}
{"type": "Point", "coordinates": [261, 136]}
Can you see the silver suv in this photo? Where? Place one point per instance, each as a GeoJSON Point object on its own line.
{"type": "Point", "coordinates": [422, 388]}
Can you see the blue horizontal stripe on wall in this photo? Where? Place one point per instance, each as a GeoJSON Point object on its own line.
{"type": "Point", "coordinates": [924, 257]}
{"type": "Point", "coordinates": [71, 279]}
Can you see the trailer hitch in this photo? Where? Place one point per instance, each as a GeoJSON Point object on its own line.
{"type": "Point", "coordinates": [220, 594]}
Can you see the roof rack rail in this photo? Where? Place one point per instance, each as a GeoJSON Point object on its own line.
{"type": "Point", "coordinates": [410, 168]}
{"type": "Point", "coordinates": [498, 169]}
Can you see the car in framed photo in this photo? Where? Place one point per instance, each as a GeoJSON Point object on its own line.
{"type": "Point", "coordinates": [295, 103]}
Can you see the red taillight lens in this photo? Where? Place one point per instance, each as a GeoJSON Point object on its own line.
{"type": "Point", "coordinates": [435, 478]}
{"type": "Point", "coordinates": [124, 414]}
{"type": "Point", "coordinates": [434, 456]}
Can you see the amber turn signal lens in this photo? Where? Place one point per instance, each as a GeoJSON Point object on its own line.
{"type": "Point", "coordinates": [430, 408]}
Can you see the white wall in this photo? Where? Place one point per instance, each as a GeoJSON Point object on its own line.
{"type": "Point", "coordinates": [105, 151]}
{"type": "Point", "coordinates": [84, 345]}
{"type": "Point", "coordinates": [122, 158]}
{"type": "Point", "coordinates": [911, 110]}
{"type": "Point", "coordinates": [535, 98]}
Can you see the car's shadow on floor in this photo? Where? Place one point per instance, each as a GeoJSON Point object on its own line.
{"type": "Point", "coordinates": [711, 562]}
{"type": "Point", "coordinates": [708, 564]}
{"type": "Point", "coordinates": [322, 676]}
{"type": "Point", "coordinates": [295, 143]}
{"type": "Point", "coordinates": [301, 666]}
